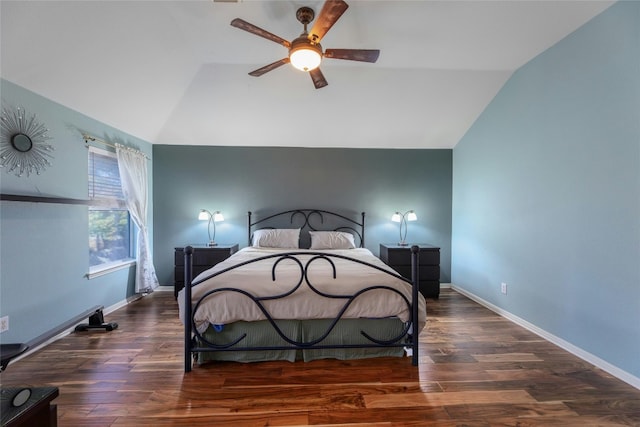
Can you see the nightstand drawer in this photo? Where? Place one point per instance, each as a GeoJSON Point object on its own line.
{"type": "Point", "coordinates": [426, 272]}
{"type": "Point", "coordinates": [403, 257]}
{"type": "Point", "coordinates": [429, 288]}
{"type": "Point", "coordinates": [203, 256]}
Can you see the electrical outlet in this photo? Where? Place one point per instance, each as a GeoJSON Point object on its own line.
{"type": "Point", "coordinates": [503, 288]}
{"type": "Point", "coordinates": [4, 324]}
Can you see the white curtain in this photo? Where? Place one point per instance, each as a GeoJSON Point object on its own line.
{"type": "Point", "coordinates": [132, 165]}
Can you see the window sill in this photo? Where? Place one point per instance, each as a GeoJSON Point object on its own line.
{"type": "Point", "coordinates": [103, 269]}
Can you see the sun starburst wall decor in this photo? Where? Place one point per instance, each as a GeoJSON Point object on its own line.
{"type": "Point", "coordinates": [23, 146]}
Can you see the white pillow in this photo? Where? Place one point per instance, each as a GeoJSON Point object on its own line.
{"type": "Point", "coordinates": [331, 240]}
{"type": "Point", "coordinates": [283, 238]}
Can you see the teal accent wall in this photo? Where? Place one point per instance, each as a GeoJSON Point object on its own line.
{"type": "Point", "coordinates": [236, 180]}
{"type": "Point", "coordinates": [546, 192]}
{"type": "Point", "coordinates": [44, 254]}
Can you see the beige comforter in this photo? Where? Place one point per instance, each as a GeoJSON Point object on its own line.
{"type": "Point", "coordinates": [255, 278]}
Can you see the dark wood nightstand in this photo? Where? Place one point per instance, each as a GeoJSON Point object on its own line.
{"type": "Point", "coordinates": [204, 257]}
{"type": "Point", "coordinates": [37, 410]}
{"type": "Point", "coordinates": [399, 258]}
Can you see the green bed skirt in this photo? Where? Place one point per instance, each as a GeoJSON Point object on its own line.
{"type": "Point", "coordinates": [262, 333]}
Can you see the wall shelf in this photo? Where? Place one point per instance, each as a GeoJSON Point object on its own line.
{"type": "Point", "coordinates": [41, 199]}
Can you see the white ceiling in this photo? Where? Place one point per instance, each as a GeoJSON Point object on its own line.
{"type": "Point", "coordinates": [175, 72]}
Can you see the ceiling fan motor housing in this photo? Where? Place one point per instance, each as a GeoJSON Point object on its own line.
{"type": "Point", "coordinates": [305, 15]}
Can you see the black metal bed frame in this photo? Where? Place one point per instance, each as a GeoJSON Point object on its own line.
{"type": "Point", "coordinates": [407, 338]}
{"type": "Point", "coordinates": [308, 215]}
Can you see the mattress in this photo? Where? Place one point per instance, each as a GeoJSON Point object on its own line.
{"type": "Point", "coordinates": [305, 286]}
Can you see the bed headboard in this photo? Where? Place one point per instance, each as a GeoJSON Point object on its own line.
{"type": "Point", "coordinates": [309, 220]}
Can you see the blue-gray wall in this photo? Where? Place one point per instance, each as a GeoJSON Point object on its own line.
{"type": "Point", "coordinates": [236, 180]}
{"type": "Point", "coordinates": [44, 253]}
{"type": "Point", "coordinates": [546, 192]}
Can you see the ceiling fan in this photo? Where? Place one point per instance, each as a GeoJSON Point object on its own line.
{"type": "Point", "coordinates": [305, 52]}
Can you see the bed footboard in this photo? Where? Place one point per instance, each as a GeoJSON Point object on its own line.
{"type": "Point", "coordinates": [194, 342]}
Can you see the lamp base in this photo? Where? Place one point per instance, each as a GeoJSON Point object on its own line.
{"type": "Point", "coordinates": [403, 243]}
{"type": "Point", "coordinates": [212, 243]}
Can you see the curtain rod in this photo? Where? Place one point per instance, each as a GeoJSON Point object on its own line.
{"type": "Point", "coordinates": [88, 138]}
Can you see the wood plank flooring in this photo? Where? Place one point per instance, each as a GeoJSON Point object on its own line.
{"type": "Point", "coordinates": [476, 369]}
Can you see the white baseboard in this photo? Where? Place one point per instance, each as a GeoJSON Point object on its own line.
{"type": "Point", "coordinates": [577, 351]}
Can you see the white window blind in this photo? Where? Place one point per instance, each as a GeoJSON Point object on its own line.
{"type": "Point", "coordinates": [110, 236]}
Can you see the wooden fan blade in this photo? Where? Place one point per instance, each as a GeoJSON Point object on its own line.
{"type": "Point", "coordinates": [331, 11]}
{"type": "Point", "coordinates": [318, 79]}
{"type": "Point", "coordinates": [363, 55]}
{"type": "Point", "coordinates": [244, 25]}
{"type": "Point", "coordinates": [267, 68]}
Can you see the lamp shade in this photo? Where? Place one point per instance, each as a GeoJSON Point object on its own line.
{"type": "Point", "coordinates": [206, 215]}
{"type": "Point", "coordinates": [402, 218]}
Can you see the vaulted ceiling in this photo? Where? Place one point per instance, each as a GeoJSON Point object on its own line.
{"type": "Point", "coordinates": [175, 72]}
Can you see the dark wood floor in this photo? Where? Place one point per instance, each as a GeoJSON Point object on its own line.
{"type": "Point", "coordinates": [476, 369]}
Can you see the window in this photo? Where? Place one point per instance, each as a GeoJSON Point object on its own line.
{"type": "Point", "coordinates": [110, 236]}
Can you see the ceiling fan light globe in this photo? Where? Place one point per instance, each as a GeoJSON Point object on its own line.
{"type": "Point", "coordinates": [305, 59]}
{"type": "Point", "coordinates": [305, 55]}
